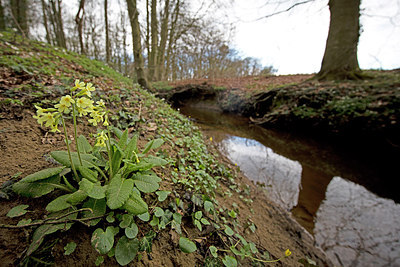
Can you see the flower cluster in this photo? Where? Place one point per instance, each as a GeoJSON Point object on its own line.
{"type": "Point", "coordinates": [79, 103]}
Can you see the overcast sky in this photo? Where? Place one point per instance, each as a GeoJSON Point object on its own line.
{"type": "Point", "coordinates": [294, 42]}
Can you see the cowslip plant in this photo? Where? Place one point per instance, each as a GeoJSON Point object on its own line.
{"type": "Point", "coordinates": [106, 180]}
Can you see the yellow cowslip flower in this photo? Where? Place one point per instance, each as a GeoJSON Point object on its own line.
{"type": "Point", "coordinates": [48, 118]}
{"type": "Point", "coordinates": [101, 139]}
{"type": "Point", "coordinates": [54, 129]}
{"type": "Point", "coordinates": [62, 108]}
{"type": "Point", "coordinates": [67, 100]}
{"type": "Point", "coordinates": [90, 87]}
{"type": "Point", "coordinates": [84, 103]}
{"type": "Point", "coordinates": [211, 139]}
{"type": "Point", "coordinates": [87, 90]}
{"type": "Point", "coordinates": [40, 110]}
{"type": "Point", "coordinates": [106, 123]}
{"type": "Point", "coordinates": [96, 117]}
{"type": "Point", "coordinates": [78, 85]}
{"type": "Point", "coordinates": [101, 103]}
{"type": "Point", "coordinates": [288, 253]}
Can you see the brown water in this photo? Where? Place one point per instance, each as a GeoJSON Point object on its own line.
{"type": "Point", "coordinates": [344, 193]}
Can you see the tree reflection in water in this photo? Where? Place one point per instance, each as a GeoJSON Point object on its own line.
{"type": "Point", "coordinates": [281, 175]}
{"type": "Point", "coordinates": [357, 228]}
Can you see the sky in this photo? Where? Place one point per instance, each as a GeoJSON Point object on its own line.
{"type": "Point", "coordinates": [294, 42]}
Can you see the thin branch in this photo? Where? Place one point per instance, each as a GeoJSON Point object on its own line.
{"type": "Point", "coordinates": [283, 11]}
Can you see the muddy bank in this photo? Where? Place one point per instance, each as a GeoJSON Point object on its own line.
{"type": "Point", "coordinates": [369, 107]}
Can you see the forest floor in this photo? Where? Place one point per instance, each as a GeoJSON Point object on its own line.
{"type": "Point", "coordinates": [36, 73]}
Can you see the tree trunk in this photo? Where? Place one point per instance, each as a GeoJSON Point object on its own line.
{"type": "Point", "coordinates": [79, 24]}
{"type": "Point", "coordinates": [163, 43]}
{"type": "Point", "coordinates": [340, 58]}
{"type": "Point", "coordinates": [136, 40]}
{"type": "Point", "coordinates": [171, 41]}
{"type": "Point", "coordinates": [2, 18]}
{"type": "Point", "coordinates": [19, 14]}
{"type": "Point", "coordinates": [108, 47]}
{"type": "Point", "coordinates": [154, 41]}
{"type": "Point", "coordinates": [58, 23]}
{"type": "Point", "coordinates": [45, 23]}
{"type": "Point", "coordinates": [147, 39]}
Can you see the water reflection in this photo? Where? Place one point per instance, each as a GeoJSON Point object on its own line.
{"type": "Point", "coordinates": [352, 223]}
{"type": "Point", "coordinates": [281, 175]}
{"type": "Point", "coordinates": [357, 228]}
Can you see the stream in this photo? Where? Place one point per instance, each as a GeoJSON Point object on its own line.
{"type": "Point", "coordinates": [344, 192]}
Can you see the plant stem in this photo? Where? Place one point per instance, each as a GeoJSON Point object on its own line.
{"type": "Point", "coordinates": [100, 171]}
{"type": "Point", "coordinates": [69, 151]}
{"type": "Point", "coordinates": [65, 188]}
{"type": "Point", "coordinates": [75, 134]}
{"type": "Point", "coordinates": [109, 151]}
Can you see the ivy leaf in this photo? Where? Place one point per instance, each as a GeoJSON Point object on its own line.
{"type": "Point", "coordinates": [252, 227]}
{"type": "Point", "coordinates": [110, 217]}
{"type": "Point", "coordinates": [102, 241]}
{"type": "Point", "coordinates": [177, 217]}
{"type": "Point", "coordinates": [198, 214]}
{"type": "Point", "coordinates": [126, 250]}
{"type": "Point", "coordinates": [187, 245]}
{"type": "Point", "coordinates": [162, 195]}
{"type": "Point", "coordinates": [204, 221]}
{"type": "Point", "coordinates": [144, 217]}
{"type": "Point", "coordinates": [198, 224]}
{"type": "Point", "coordinates": [126, 220]}
{"type": "Point", "coordinates": [146, 242]}
{"type": "Point", "coordinates": [228, 230]}
{"type": "Point", "coordinates": [146, 183]}
{"type": "Point", "coordinates": [118, 192]}
{"type": "Point", "coordinates": [98, 206]}
{"type": "Point", "coordinates": [69, 248]}
{"type": "Point", "coordinates": [17, 211]}
{"type": "Point", "coordinates": [158, 212]}
{"type": "Point", "coordinates": [229, 261]}
{"type": "Point", "coordinates": [213, 251]}
{"type": "Point", "coordinates": [99, 260]}
{"type": "Point", "coordinates": [132, 230]}
{"type": "Point", "coordinates": [155, 221]}
{"type": "Point", "coordinates": [24, 222]}
{"type": "Point", "coordinates": [208, 206]}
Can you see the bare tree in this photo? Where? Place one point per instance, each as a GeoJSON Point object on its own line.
{"type": "Point", "coordinates": [57, 22]}
{"type": "Point", "coordinates": [19, 13]}
{"type": "Point", "coordinates": [340, 58]}
{"type": "Point", "coordinates": [2, 17]}
{"type": "Point", "coordinates": [137, 46]}
{"type": "Point", "coordinates": [163, 42]}
{"type": "Point", "coordinates": [79, 23]}
{"type": "Point", "coordinates": [154, 40]}
{"type": "Point", "coordinates": [108, 52]}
